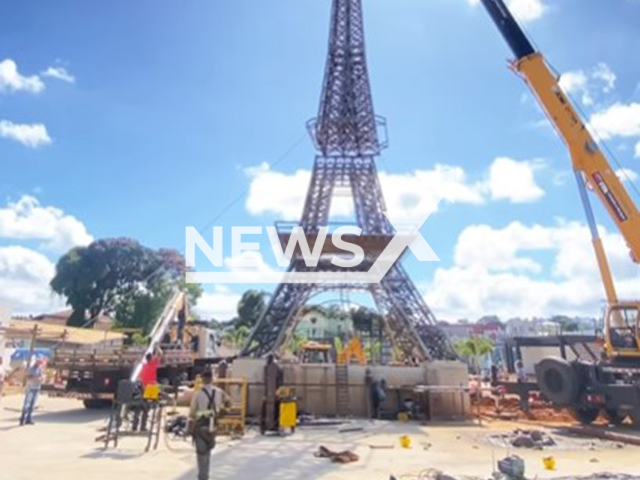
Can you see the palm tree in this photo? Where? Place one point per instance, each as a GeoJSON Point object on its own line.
{"type": "Point", "coordinates": [373, 348]}
{"type": "Point", "coordinates": [295, 343]}
{"type": "Point", "coordinates": [474, 348]}
{"type": "Point", "coordinates": [236, 337]}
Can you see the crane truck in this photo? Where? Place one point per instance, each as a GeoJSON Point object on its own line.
{"type": "Point", "coordinates": [93, 375]}
{"type": "Point", "coordinates": [611, 384]}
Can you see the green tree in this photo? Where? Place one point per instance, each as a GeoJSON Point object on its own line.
{"type": "Point", "coordinates": [373, 350]}
{"type": "Point", "coordinates": [119, 276]}
{"type": "Point", "coordinates": [367, 322]}
{"type": "Point", "coordinates": [237, 336]}
{"type": "Point", "coordinates": [250, 308]}
{"type": "Point", "coordinates": [294, 344]}
{"type": "Point", "coordinates": [474, 349]}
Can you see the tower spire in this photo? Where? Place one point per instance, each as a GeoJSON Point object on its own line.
{"type": "Point", "coordinates": [346, 123]}
{"type": "Point", "coordinates": [346, 136]}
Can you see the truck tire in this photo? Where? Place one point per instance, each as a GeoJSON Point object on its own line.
{"type": "Point", "coordinates": [557, 380]}
{"type": "Point", "coordinates": [614, 416]}
{"type": "Point", "coordinates": [96, 403]}
{"type": "Point", "coordinates": [585, 415]}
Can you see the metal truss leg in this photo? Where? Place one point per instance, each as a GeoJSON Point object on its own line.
{"type": "Point", "coordinates": [270, 330]}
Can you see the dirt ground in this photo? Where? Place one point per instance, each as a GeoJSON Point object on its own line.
{"type": "Point", "coordinates": [508, 408]}
{"type": "Point", "coordinates": [61, 446]}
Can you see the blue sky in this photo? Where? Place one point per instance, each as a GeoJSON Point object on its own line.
{"type": "Point", "coordinates": [140, 118]}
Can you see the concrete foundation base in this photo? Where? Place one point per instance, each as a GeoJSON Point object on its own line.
{"type": "Point", "coordinates": [441, 386]}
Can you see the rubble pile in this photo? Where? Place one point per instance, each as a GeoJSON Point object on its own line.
{"type": "Point", "coordinates": [520, 438]}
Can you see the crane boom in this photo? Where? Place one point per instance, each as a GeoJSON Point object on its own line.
{"type": "Point", "coordinates": [608, 384]}
{"type": "Point", "coordinates": [585, 154]}
{"type": "Point", "coordinates": [590, 165]}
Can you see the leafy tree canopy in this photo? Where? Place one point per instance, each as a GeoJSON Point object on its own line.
{"type": "Point", "coordinates": [121, 277]}
{"type": "Point", "coordinates": [250, 308]}
{"type": "Point", "coordinates": [366, 320]}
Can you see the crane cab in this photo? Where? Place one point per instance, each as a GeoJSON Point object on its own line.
{"type": "Point", "coordinates": [622, 331]}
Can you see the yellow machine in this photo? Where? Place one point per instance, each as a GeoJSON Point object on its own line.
{"type": "Point", "coordinates": [315, 352]}
{"type": "Point", "coordinates": [353, 350]}
{"type": "Point", "coordinates": [235, 415]}
{"type": "Point", "coordinates": [288, 414]}
{"type": "Point", "coordinates": [587, 386]}
{"type": "Point", "coordinates": [591, 168]}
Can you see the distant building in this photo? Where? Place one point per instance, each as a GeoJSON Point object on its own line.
{"type": "Point", "coordinates": [102, 322]}
{"type": "Point", "coordinates": [456, 331]}
{"type": "Point", "coordinates": [19, 333]}
{"type": "Point", "coordinates": [319, 324]}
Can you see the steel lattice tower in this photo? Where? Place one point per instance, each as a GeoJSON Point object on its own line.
{"type": "Point", "coordinates": [346, 134]}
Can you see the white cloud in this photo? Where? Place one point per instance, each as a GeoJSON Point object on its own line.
{"type": "Point", "coordinates": [31, 135]}
{"type": "Point", "coordinates": [248, 260]}
{"type": "Point", "coordinates": [626, 175]}
{"type": "Point", "coordinates": [514, 181]}
{"type": "Point", "coordinates": [12, 81]}
{"type": "Point", "coordinates": [403, 192]}
{"type": "Point", "coordinates": [527, 10]}
{"type": "Point", "coordinates": [572, 82]}
{"type": "Point", "coordinates": [619, 120]}
{"type": "Point", "coordinates": [24, 281]}
{"type": "Point", "coordinates": [523, 10]}
{"type": "Point", "coordinates": [605, 74]}
{"type": "Point", "coordinates": [59, 73]}
{"type": "Point", "coordinates": [500, 271]}
{"type": "Point", "coordinates": [589, 85]}
{"type": "Point", "coordinates": [221, 304]}
{"type": "Point", "coordinates": [284, 194]}
{"type": "Point", "coordinates": [27, 219]}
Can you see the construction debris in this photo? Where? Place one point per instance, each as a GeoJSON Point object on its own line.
{"type": "Point", "coordinates": [350, 429]}
{"type": "Point", "coordinates": [345, 456]}
{"type": "Point", "coordinates": [535, 439]}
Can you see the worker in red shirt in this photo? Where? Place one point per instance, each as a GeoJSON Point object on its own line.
{"type": "Point", "coordinates": [149, 372]}
{"type": "Point", "coordinates": [148, 376]}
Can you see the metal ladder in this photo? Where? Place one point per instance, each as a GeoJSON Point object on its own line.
{"type": "Point", "coordinates": [342, 390]}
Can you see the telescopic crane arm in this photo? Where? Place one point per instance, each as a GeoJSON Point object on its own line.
{"type": "Point", "coordinates": [589, 164]}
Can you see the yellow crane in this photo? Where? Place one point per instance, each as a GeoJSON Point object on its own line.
{"type": "Point", "coordinates": [565, 383]}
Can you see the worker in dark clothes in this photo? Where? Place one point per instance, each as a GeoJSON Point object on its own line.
{"type": "Point", "coordinates": [272, 381]}
{"type": "Point", "coordinates": [221, 373]}
{"type": "Point", "coordinates": [368, 381]}
{"type": "Point", "coordinates": [494, 374]}
{"type": "Point", "coordinates": [378, 395]}
{"type": "Point", "coordinates": [522, 388]}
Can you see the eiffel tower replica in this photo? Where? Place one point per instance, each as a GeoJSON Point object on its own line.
{"type": "Point", "coordinates": [346, 135]}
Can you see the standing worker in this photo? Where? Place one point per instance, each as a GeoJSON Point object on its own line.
{"type": "Point", "coordinates": [207, 404]}
{"type": "Point", "coordinates": [32, 389]}
{"type": "Point", "coordinates": [221, 374]}
{"type": "Point", "coordinates": [522, 388]}
{"type": "Point", "coordinates": [148, 376]}
{"type": "Point", "coordinates": [272, 381]}
{"type": "Point", "coordinates": [149, 372]}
